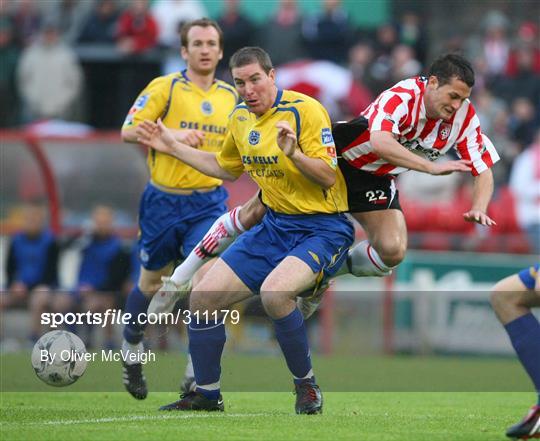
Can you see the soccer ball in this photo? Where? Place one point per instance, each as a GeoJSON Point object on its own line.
{"type": "Point", "coordinates": [58, 358]}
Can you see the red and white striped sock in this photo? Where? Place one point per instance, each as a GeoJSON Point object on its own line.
{"type": "Point", "coordinates": [364, 261]}
{"type": "Point", "coordinates": [220, 235]}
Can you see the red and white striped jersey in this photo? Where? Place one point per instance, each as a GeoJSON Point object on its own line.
{"type": "Point", "coordinates": [401, 110]}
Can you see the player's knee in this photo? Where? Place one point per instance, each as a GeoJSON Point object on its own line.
{"type": "Point", "coordinates": [205, 302]}
{"type": "Point", "coordinates": [501, 300]}
{"type": "Point", "coordinates": [496, 298]}
{"type": "Point", "coordinates": [270, 301]}
{"type": "Point", "coordinates": [274, 300]}
{"type": "Point", "coordinates": [149, 286]}
{"type": "Point", "coordinates": [392, 251]}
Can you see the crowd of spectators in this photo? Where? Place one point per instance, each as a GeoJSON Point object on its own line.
{"type": "Point", "coordinates": [105, 270]}
{"type": "Point", "coordinates": [323, 54]}
{"type": "Point", "coordinates": [42, 76]}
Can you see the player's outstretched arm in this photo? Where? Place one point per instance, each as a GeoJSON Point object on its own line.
{"type": "Point", "coordinates": [191, 137]}
{"type": "Point", "coordinates": [162, 139]}
{"type": "Point", "coordinates": [314, 169]}
{"type": "Point", "coordinates": [482, 191]}
{"type": "Point", "coordinates": [392, 151]}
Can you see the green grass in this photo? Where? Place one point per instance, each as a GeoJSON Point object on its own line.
{"type": "Point", "coordinates": [366, 398]}
{"type": "Point", "coordinates": [249, 373]}
{"type": "Point", "coordinates": [267, 416]}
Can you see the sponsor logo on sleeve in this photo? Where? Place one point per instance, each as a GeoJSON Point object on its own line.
{"type": "Point", "coordinates": [331, 152]}
{"type": "Point", "coordinates": [140, 103]}
{"type": "Point", "coordinates": [326, 137]}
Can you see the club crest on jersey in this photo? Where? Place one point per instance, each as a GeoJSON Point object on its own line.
{"type": "Point", "coordinates": [254, 137]}
{"type": "Point", "coordinates": [444, 131]}
{"type": "Point", "coordinates": [206, 108]}
{"type": "Point", "coordinates": [326, 137]}
{"type": "Point", "coordinates": [389, 119]}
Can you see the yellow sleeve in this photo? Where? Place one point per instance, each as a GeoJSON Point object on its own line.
{"type": "Point", "coordinates": [316, 140]}
{"type": "Point", "coordinates": [229, 157]}
{"type": "Point", "coordinates": [150, 103]}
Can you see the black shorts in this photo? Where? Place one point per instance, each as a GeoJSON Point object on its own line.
{"type": "Point", "coordinates": [365, 191]}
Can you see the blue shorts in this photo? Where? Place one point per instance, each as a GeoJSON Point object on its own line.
{"type": "Point", "coordinates": [528, 276]}
{"type": "Point", "coordinates": [171, 224]}
{"type": "Point", "coordinates": [320, 240]}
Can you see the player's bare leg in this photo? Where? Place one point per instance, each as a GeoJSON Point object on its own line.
{"type": "Point", "coordinates": [222, 233]}
{"type": "Point", "coordinates": [512, 301]}
{"type": "Point", "coordinates": [375, 257]}
{"type": "Point", "coordinates": [385, 246]}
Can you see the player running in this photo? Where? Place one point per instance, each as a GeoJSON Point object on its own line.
{"type": "Point", "coordinates": [512, 299]}
{"type": "Point", "coordinates": [179, 203]}
{"type": "Point", "coordinates": [283, 140]}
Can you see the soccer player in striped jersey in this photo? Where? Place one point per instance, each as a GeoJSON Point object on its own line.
{"type": "Point", "coordinates": [512, 299]}
{"type": "Point", "coordinates": [179, 203]}
{"type": "Point", "coordinates": [407, 127]}
{"type": "Point", "coordinates": [283, 140]}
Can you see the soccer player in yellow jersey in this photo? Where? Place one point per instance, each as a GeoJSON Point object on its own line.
{"type": "Point", "coordinates": [179, 203]}
{"type": "Point", "coordinates": [512, 299]}
{"type": "Point", "coordinates": [283, 140]}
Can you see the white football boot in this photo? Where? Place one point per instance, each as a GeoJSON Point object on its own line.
{"type": "Point", "coordinates": [167, 296]}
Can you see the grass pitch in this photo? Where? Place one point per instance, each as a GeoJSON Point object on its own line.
{"type": "Point", "coordinates": [266, 416]}
{"type": "Point", "coordinates": [365, 398]}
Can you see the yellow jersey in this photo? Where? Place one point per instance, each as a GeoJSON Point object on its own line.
{"type": "Point", "coordinates": [181, 104]}
{"type": "Point", "coordinates": [251, 146]}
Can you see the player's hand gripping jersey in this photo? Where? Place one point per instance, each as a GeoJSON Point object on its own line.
{"type": "Point", "coordinates": [181, 104]}
{"type": "Point", "coordinates": [251, 146]}
{"type": "Point", "coordinates": [400, 110]}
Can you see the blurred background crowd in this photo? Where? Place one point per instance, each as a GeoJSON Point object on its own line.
{"type": "Point", "coordinates": [75, 66]}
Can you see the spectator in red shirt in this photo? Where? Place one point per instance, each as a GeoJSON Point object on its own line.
{"type": "Point", "coordinates": [137, 29]}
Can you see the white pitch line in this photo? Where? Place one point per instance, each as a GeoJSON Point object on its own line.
{"type": "Point", "coordinates": [136, 418]}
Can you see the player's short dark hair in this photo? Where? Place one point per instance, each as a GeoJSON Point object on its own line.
{"type": "Point", "coordinates": [203, 23]}
{"type": "Point", "coordinates": [451, 66]}
{"type": "Point", "coordinates": [250, 55]}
